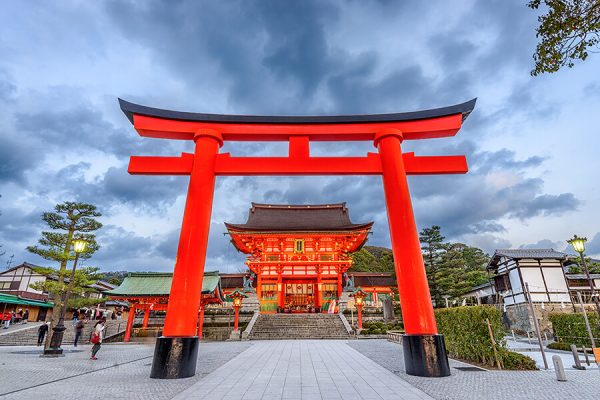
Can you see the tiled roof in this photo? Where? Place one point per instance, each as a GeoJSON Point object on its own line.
{"type": "Point", "coordinates": [158, 284]}
{"type": "Point", "coordinates": [530, 253]}
{"type": "Point", "coordinates": [367, 279]}
{"type": "Point", "coordinates": [284, 217]}
{"type": "Point", "coordinates": [536, 254]}
{"type": "Point", "coordinates": [582, 276]}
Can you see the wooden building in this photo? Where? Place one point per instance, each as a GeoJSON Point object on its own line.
{"type": "Point", "coordinates": [541, 270]}
{"type": "Point", "coordinates": [149, 292]}
{"type": "Point", "coordinates": [299, 253]}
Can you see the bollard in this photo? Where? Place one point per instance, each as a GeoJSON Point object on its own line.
{"type": "Point", "coordinates": [559, 368]}
{"type": "Point", "coordinates": [576, 358]}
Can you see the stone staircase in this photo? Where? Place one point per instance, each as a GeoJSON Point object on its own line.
{"type": "Point", "coordinates": [298, 326]}
{"type": "Point", "coordinates": [27, 336]}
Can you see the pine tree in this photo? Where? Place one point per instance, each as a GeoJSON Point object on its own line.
{"type": "Point", "coordinates": [432, 250]}
{"type": "Point", "coordinates": [69, 221]}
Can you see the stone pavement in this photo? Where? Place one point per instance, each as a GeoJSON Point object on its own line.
{"type": "Point", "coordinates": [302, 369]}
{"type": "Point", "coordinates": [489, 385]}
{"type": "Point", "coordinates": [121, 372]}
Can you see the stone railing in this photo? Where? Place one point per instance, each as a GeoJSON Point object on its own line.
{"type": "Point", "coordinates": [250, 326]}
{"type": "Point", "coordinates": [394, 336]}
{"type": "Point", "coordinates": [346, 324]}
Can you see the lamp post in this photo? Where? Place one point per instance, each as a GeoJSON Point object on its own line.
{"type": "Point", "coordinates": [578, 244]}
{"type": "Point", "coordinates": [359, 297]}
{"type": "Point", "coordinates": [236, 296]}
{"type": "Point", "coordinates": [58, 331]}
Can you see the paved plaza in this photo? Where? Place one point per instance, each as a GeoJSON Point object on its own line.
{"type": "Point", "coordinates": [300, 369]}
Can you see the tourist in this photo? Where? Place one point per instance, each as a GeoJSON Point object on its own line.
{"type": "Point", "coordinates": [78, 330]}
{"type": "Point", "coordinates": [19, 316]}
{"type": "Point", "coordinates": [6, 317]}
{"type": "Point", "coordinates": [113, 315]}
{"type": "Point", "coordinates": [75, 318]}
{"type": "Point", "coordinates": [25, 316]}
{"type": "Point", "coordinates": [42, 330]}
{"type": "Point", "coordinates": [96, 339]}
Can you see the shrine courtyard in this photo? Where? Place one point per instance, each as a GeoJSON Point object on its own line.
{"type": "Point", "coordinates": [294, 369]}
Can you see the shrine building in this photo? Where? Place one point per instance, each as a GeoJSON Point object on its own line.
{"type": "Point", "coordinates": [299, 254]}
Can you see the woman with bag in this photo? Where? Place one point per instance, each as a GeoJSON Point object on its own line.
{"type": "Point", "coordinates": [96, 339]}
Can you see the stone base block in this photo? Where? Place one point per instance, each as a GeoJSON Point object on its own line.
{"type": "Point", "coordinates": [425, 355]}
{"type": "Point", "coordinates": [174, 357]}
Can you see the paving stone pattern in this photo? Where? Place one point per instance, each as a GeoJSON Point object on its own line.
{"type": "Point", "coordinates": [301, 369]}
{"type": "Point", "coordinates": [489, 385]}
{"type": "Point", "coordinates": [121, 372]}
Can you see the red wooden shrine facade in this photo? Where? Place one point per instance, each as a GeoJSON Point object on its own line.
{"type": "Point", "coordinates": [299, 253]}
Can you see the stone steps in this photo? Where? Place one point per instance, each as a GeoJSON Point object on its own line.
{"type": "Point", "coordinates": [298, 326]}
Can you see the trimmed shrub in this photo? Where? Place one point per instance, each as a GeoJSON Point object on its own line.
{"type": "Point", "coordinates": [467, 336]}
{"type": "Point", "coordinates": [559, 346]}
{"type": "Point", "coordinates": [518, 361]}
{"type": "Point", "coordinates": [571, 329]}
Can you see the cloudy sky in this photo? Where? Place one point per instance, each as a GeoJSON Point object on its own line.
{"type": "Point", "coordinates": [532, 143]}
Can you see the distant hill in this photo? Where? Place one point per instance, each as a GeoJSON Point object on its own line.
{"type": "Point", "coordinates": [373, 259]}
{"type": "Point", "coordinates": [114, 277]}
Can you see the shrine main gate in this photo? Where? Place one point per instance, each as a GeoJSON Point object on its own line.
{"type": "Point", "coordinates": [177, 350]}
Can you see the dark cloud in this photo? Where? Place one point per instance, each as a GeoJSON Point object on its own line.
{"type": "Point", "coordinates": [270, 57]}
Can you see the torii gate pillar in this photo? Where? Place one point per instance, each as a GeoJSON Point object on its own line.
{"type": "Point", "coordinates": [424, 349]}
{"type": "Point", "coordinates": [176, 350]}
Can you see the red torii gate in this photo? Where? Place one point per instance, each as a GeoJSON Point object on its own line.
{"type": "Point", "coordinates": [176, 351]}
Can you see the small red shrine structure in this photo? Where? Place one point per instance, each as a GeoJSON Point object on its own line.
{"type": "Point", "coordinates": [298, 253]}
{"type": "Point", "coordinates": [176, 351]}
{"type": "Point", "coordinates": [149, 291]}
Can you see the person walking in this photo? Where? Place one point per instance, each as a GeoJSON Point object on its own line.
{"type": "Point", "coordinates": [6, 317]}
{"type": "Point", "coordinates": [75, 317]}
{"type": "Point", "coordinates": [26, 316]}
{"type": "Point", "coordinates": [78, 331]}
{"type": "Point", "coordinates": [42, 330]}
{"type": "Point", "coordinates": [96, 339]}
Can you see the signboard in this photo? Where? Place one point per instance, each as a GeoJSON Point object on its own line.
{"type": "Point", "coordinates": [596, 351]}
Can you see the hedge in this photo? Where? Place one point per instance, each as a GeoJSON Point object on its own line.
{"type": "Point", "coordinates": [570, 328]}
{"type": "Point", "coordinates": [467, 336]}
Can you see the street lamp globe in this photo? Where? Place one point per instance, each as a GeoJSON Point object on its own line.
{"type": "Point", "coordinates": [79, 245]}
{"type": "Point", "coordinates": [578, 243]}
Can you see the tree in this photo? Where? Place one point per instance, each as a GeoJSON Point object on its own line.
{"type": "Point", "coordinates": [83, 278]}
{"type": "Point", "coordinates": [432, 250]}
{"type": "Point", "coordinates": [575, 267]}
{"type": "Point", "coordinates": [568, 32]}
{"type": "Point", "coordinates": [461, 268]}
{"type": "Point", "coordinates": [69, 221]}
{"type": "Point", "coordinates": [373, 259]}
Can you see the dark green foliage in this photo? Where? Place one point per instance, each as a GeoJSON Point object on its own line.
{"type": "Point", "coordinates": [571, 329]}
{"type": "Point", "coordinates": [461, 268]}
{"type": "Point", "coordinates": [380, 327]}
{"type": "Point", "coordinates": [568, 31]}
{"type": "Point", "coordinates": [467, 336]}
{"type": "Point", "coordinates": [373, 259]}
{"type": "Point", "coordinates": [68, 221]}
{"type": "Point", "coordinates": [517, 361]}
{"type": "Point", "coordinates": [575, 268]}
{"type": "Point", "coordinates": [452, 268]}
{"type": "Point", "coordinates": [559, 346]}
{"type": "Point", "coordinates": [433, 249]}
